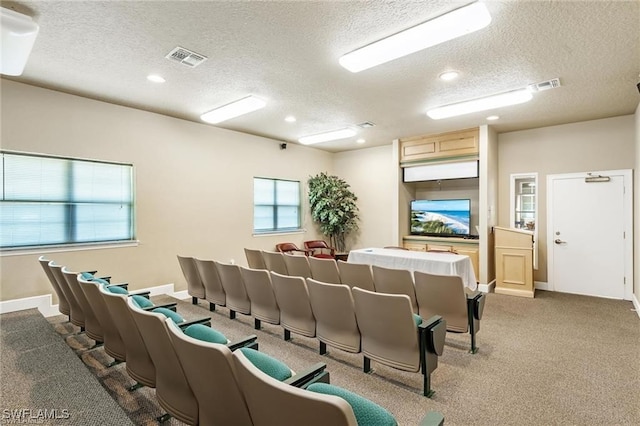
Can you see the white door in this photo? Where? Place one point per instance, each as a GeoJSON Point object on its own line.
{"type": "Point", "coordinates": [589, 233]}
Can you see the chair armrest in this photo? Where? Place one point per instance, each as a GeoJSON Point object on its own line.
{"type": "Point", "coordinates": [141, 293]}
{"type": "Point", "coordinates": [107, 279]}
{"type": "Point", "coordinates": [432, 418]}
{"type": "Point", "coordinates": [249, 341]}
{"type": "Point", "coordinates": [90, 272]}
{"type": "Point", "coordinates": [433, 331]}
{"type": "Point", "coordinates": [203, 321]}
{"type": "Point", "coordinates": [475, 302]}
{"type": "Point", "coordinates": [170, 306]}
{"type": "Point", "coordinates": [313, 374]}
{"type": "Point", "coordinates": [123, 285]}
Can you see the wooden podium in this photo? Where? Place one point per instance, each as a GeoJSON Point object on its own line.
{"type": "Point", "coordinates": [514, 262]}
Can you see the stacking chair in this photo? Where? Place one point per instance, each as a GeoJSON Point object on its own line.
{"type": "Point", "coordinates": [297, 266]}
{"type": "Point", "coordinates": [319, 248]}
{"type": "Point", "coordinates": [93, 328]}
{"type": "Point", "coordinates": [264, 307]}
{"type": "Point", "coordinates": [195, 288]}
{"type": "Point", "coordinates": [76, 316]}
{"type": "Point", "coordinates": [291, 249]}
{"type": "Point", "coordinates": [236, 295]}
{"type": "Point", "coordinates": [395, 281]}
{"type": "Point", "coordinates": [325, 270]}
{"type": "Point", "coordinates": [392, 335]}
{"type": "Point", "coordinates": [445, 295]}
{"type": "Point", "coordinates": [335, 316]}
{"type": "Point", "coordinates": [254, 259]}
{"type": "Point", "coordinates": [274, 261]}
{"type": "Point", "coordinates": [356, 275]}
{"type": "Point", "coordinates": [295, 309]}
{"type": "Point", "coordinates": [63, 304]}
{"type": "Point", "coordinates": [214, 293]}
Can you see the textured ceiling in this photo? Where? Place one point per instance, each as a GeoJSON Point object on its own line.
{"type": "Point", "coordinates": [287, 53]}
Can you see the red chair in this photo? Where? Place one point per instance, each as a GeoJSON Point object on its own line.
{"type": "Point", "coordinates": [319, 248]}
{"type": "Point", "coordinates": [291, 248]}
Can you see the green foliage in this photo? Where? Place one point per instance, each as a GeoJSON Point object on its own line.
{"type": "Point", "coordinates": [333, 207]}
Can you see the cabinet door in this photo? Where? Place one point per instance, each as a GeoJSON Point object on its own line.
{"type": "Point", "coordinates": [446, 145]}
{"type": "Point", "coordinates": [415, 246]}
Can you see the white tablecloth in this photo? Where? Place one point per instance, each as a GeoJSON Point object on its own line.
{"type": "Point", "coordinates": [440, 263]}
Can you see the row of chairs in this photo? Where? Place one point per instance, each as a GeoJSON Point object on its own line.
{"type": "Point", "coordinates": [198, 375]}
{"type": "Point", "coordinates": [430, 294]}
{"type": "Point", "coordinates": [383, 327]}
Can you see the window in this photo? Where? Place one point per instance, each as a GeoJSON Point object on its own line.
{"type": "Point", "coordinates": [55, 201]}
{"type": "Point", "coordinates": [276, 205]}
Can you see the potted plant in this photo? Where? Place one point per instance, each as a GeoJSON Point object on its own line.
{"type": "Point", "coordinates": [333, 207]}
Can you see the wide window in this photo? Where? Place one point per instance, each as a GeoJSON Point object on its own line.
{"type": "Point", "coordinates": [56, 201]}
{"type": "Point", "coordinates": [276, 205]}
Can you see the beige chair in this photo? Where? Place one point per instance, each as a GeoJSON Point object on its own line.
{"type": "Point", "coordinates": [297, 266]}
{"type": "Point", "coordinates": [445, 295]}
{"type": "Point", "coordinates": [274, 261]}
{"type": "Point", "coordinates": [210, 372]}
{"type": "Point", "coordinates": [264, 306]}
{"type": "Point", "coordinates": [76, 315]}
{"type": "Point", "coordinates": [356, 275]}
{"type": "Point", "coordinates": [92, 327]}
{"type": "Point", "coordinates": [236, 295]}
{"type": "Point", "coordinates": [395, 281]}
{"type": "Point", "coordinates": [195, 287]}
{"type": "Point", "coordinates": [335, 316]}
{"type": "Point", "coordinates": [324, 269]}
{"type": "Point", "coordinates": [295, 309]}
{"type": "Point", "coordinates": [63, 304]}
{"type": "Point", "coordinates": [254, 259]}
{"type": "Point", "coordinates": [391, 335]}
{"type": "Point", "coordinates": [214, 293]}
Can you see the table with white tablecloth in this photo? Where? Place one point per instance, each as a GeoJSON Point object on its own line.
{"type": "Point", "coordinates": [439, 263]}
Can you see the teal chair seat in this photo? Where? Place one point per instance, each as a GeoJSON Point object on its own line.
{"type": "Point", "coordinates": [175, 317]}
{"type": "Point", "coordinates": [268, 365]}
{"type": "Point", "coordinates": [206, 334]}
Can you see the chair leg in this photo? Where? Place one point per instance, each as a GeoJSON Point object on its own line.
{"type": "Point", "coordinates": [212, 306]}
{"type": "Point", "coordinates": [366, 365]}
{"type": "Point", "coordinates": [287, 334]}
{"type": "Point", "coordinates": [135, 386]}
{"type": "Point", "coordinates": [257, 323]}
{"type": "Point", "coordinates": [323, 348]}
{"type": "Point", "coordinates": [113, 363]}
{"type": "Point", "coordinates": [232, 314]}
{"type": "Point", "coordinates": [163, 418]}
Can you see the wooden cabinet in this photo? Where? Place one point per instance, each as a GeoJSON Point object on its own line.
{"type": "Point", "coordinates": [466, 247]}
{"type": "Point", "coordinates": [514, 262]}
{"type": "Point", "coordinates": [442, 146]}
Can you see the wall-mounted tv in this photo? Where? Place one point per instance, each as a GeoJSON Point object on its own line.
{"type": "Point", "coordinates": [440, 218]}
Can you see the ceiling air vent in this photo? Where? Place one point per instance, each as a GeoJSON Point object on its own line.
{"type": "Point", "coordinates": [545, 85]}
{"type": "Point", "coordinates": [365, 125]}
{"type": "Point", "coordinates": [186, 57]}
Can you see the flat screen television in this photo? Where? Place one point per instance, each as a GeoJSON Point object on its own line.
{"type": "Point", "coordinates": [440, 218]}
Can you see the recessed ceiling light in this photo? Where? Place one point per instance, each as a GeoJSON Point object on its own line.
{"type": "Point", "coordinates": [234, 109]}
{"type": "Point", "coordinates": [290, 119]}
{"type": "Point", "coordinates": [459, 22]}
{"type": "Point", "coordinates": [327, 136]}
{"type": "Point", "coordinates": [448, 75]}
{"type": "Point", "coordinates": [360, 141]}
{"type": "Point", "coordinates": [493, 117]}
{"type": "Point", "coordinates": [155, 78]}
{"type": "Point", "coordinates": [481, 104]}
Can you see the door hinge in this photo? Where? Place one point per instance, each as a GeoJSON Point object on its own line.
{"type": "Point", "coordinates": [624, 280]}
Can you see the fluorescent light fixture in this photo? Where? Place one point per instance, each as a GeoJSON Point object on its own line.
{"type": "Point", "coordinates": [493, 117]}
{"type": "Point", "coordinates": [19, 32]}
{"type": "Point", "coordinates": [234, 109]}
{"type": "Point", "coordinates": [327, 136]}
{"type": "Point", "coordinates": [290, 119]}
{"type": "Point", "coordinates": [360, 141]}
{"type": "Point", "coordinates": [448, 75]}
{"type": "Point", "coordinates": [458, 170]}
{"type": "Point", "coordinates": [459, 22]}
{"type": "Point", "coordinates": [155, 78]}
{"type": "Point", "coordinates": [481, 104]}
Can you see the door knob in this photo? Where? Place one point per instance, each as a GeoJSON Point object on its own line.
{"type": "Point", "coordinates": [559, 241]}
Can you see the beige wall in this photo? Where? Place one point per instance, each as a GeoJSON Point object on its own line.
{"type": "Point", "coordinates": [194, 184]}
{"type": "Point", "coordinates": [606, 144]}
{"type": "Point", "coordinates": [372, 176]}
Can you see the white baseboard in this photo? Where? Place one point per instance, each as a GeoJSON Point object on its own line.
{"type": "Point", "coordinates": [43, 302]}
{"type": "Point", "coordinates": [636, 305]}
{"type": "Point", "coordinates": [487, 288]}
{"type": "Point", "coordinates": [540, 285]}
{"type": "Point", "coordinates": [181, 295]}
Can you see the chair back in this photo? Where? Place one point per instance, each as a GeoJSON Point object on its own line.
{"type": "Point", "coordinates": [297, 266]}
{"type": "Point", "coordinates": [272, 402]}
{"type": "Point", "coordinates": [92, 326]}
{"type": "Point", "coordinates": [63, 305]}
{"type": "Point", "coordinates": [264, 307]}
{"type": "Point", "coordinates": [236, 294]}
{"type": "Point", "coordinates": [395, 281]}
{"type": "Point", "coordinates": [388, 329]}
{"type": "Point", "coordinates": [195, 287]}
{"type": "Point", "coordinates": [139, 364]}
{"type": "Point", "coordinates": [293, 299]}
{"type": "Point", "coordinates": [254, 259]}
{"type": "Point", "coordinates": [214, 293]}
{"type": "Point", "coordinates": [319, 248]}
{"type": "Point", "coordinates": [325, 270]}
{"type": "Point", "coordinates": [76, 315]}
{"type": "Point", "coordinates": [274, 261]}
{"type": "Point", "coordinates": [113, 343]}
{"type": "Point", "coordinates": [333, 309]}
{"type": "Point", "coordinates": [210, 372]}
{"type": "Point", "coordinates": [443, 295]}
{"type": "Point", "coordinates": [289, 247]}
{"type": "Point", "coordinates": [356, 275]}
{"type": "Point", "coordinates": [172, 389]}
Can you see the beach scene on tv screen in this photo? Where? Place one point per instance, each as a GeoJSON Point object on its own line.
{"type": "Point", "coordinates": [440, 217]}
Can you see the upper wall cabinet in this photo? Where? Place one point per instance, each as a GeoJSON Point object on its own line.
{"type": "Point", "coordinates": [444, 146]}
